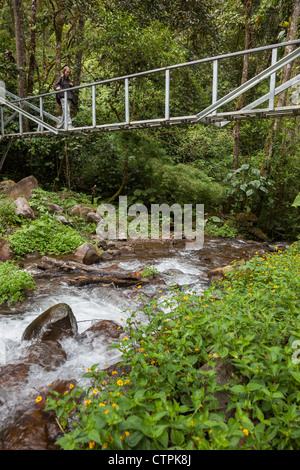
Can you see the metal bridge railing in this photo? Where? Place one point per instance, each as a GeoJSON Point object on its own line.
{"type": "Point", "coordinates": [207, 115]}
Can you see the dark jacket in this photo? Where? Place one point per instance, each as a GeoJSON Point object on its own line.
{"type": "Point", "coordinates": [64, 84]}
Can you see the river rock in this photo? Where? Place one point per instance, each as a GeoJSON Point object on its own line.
{"type": "Point", "coordinates": [54, 208]}
{"type": "Point", "coordinates": [93, 217]}
{"type": "Point", "coordinates": [35, 430]}
{"type": "Point", "coordinates": [224, 374]}
{"type": "Point", "coordinates": [220, 272]}
{"type": "Point", "coordinates": [47, 354]}
{"type": "Point", "coordinates": [13, 374]}
{"type": "Point", "coordinates": [56, 323]}
{"type": "Point", "coordinates": [87, 254]}
{"type": "Point", "coordinates": [24, 187]}
{"type": "Point", "coordinates": [60, 386]}
{"type": "Point", "coordinates": [81, 211]}
{"type": "Point", "coordinates": [6, 186]}
{"type": "Point", "coordinates": [62, 219]}
{"type": "Point", "coordinates": [5, 252]}
{"type": "Point", "coordinates": [23, 208]}
{"type": "Point", "coordinates": [102, 328]}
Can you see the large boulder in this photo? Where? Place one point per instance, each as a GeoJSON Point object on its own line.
{"type": "Point", "coordinates": [47, 354]}
{"type": "Point", "coordinates": [56, 323]}
{"type": "Point", "coordinates": [23, 188]}
{"type": "Point", "coordinates": [87, 254]}
{"type": "Point", "coordinates": [6, 186]}
{"type": "Point", "coordinates": [23, 208]}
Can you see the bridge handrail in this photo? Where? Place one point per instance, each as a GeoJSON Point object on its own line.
{"type": "Point", "coordinates": [163, 69]}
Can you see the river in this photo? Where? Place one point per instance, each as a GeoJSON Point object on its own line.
{"type": "Point", "coordinates": [175, 264]}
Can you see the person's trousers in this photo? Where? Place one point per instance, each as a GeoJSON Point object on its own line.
{"type": "Point", "coordinates": [61, 122]}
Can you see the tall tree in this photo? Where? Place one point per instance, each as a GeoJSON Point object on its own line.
{"type": "Point", "coordinates": [20, 46]}
{"type": "Point", "coordinates": [32, 47]}
{"type": "Point", "coordinates": [285, 76]}
{"type": "Point", "coordinates": [236, 130]}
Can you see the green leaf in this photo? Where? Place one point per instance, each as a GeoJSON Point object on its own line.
{"type": "Point", "coordinates": [94, 435]}
{"type": "Point", "coordinates": [296, 202]}
{"type": "Point", "coordinates": [177, 437]}
{"type": "Point", "coordinates": [238, 389]}
{"type": "Point", "coordinates": [296, 376]}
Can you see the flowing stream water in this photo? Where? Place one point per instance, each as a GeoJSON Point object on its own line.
{"type": "Point", "coordinates": [93, 303]}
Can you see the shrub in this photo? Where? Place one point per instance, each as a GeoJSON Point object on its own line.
{"type": "Point", "coordinates": [13, 282]}
{"type": "Point", "coordinates": [8, 217]}
{"type": "Point", "coordinates": [45, 235]}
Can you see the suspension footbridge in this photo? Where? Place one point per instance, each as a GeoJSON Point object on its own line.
{"type": "Point", "coordinates": [13, 109]}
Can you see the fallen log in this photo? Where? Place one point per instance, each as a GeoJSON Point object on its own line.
{"type": "Point", "coordinates": [88, 274]}
{"type": "Point", "coordinates": [80, 281]}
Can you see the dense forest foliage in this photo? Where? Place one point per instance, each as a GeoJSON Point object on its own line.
{"type": "Point", "coordinates": [248, 167]}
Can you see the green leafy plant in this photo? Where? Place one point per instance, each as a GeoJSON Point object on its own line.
{"type": "Point", "coordinates": [216, 371]}
{"type": "Point", "coordinates": [149, 271]}
{"type": "Point", "coordinates": [13, 282]}
{"type": "Point", "coordinates": [215, 227]}
{"type": "Point", "coordinates": [248, 188]}
{"type": "Point", "coordinates": [45, 235]}
{"type": "Point", "coordinates": [8, 217]}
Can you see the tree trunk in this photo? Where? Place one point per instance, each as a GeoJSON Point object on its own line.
{"type": "Point", "coordinates": [285, 76]}
{"type": "Point", "coordinates": [59, 21]}
{"type": "Point", "coordinates": [20, 47]}
{"type": "Point", "coordinates": [240, 103]}
{"type": "Point", "coordinates": [79, 50]}
{"type": "Point", "coordinates": [32, 48]}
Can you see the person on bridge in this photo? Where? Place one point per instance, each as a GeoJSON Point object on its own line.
{"type": "Point", "coordinates": [62, 84]}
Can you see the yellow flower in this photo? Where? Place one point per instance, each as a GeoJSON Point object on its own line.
{"type": "Point", "coordinates": [246, 432]}
{"type": "Point", "coordinates": [38, 399]}
{"type": "Point", "coordinates": [91, 444]}
{"type": "Point", "coordinates": [124, 339]}
{"type": "Point", "coordinates": [185, 298]}
{"type": "Point", "coordinates": [105, 445]}
{"type": "Point", "coordinates": [106, 412]}
{"type": "Point", "coordinates": [120, 382]}
{"type": "Point", "coordinates": [127, 433]}
{"type": "Point", "coordinates": [95, 391]}
{"type": "Point", "coordinates": [114, 372]}
{"type": "Point", "coordinates": [114, 405]}
{"type": "Point", "coordinates": [139, 287]}
{"type": "Point", "coordinates": [101, 404]}
{"type": "Point", "coordinates": [71, 386]}
{"type": "Point", "coordinates": [127, 381]}
{"type": "Point", "coordinates": [87, 402]}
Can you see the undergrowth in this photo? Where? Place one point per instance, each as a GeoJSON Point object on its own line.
{"type": "Point", "coordinates": [247, 326]}
{"type": "Point", "coordinates": [13, 282]}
